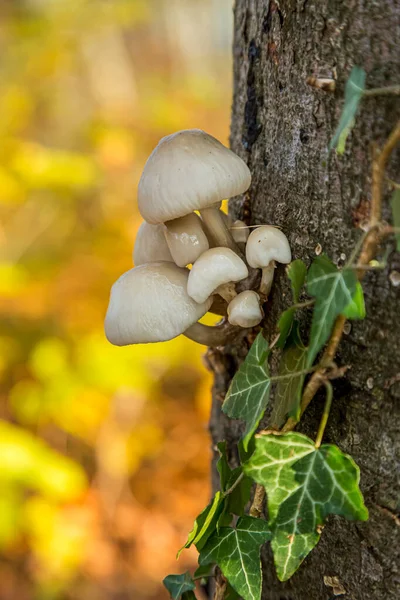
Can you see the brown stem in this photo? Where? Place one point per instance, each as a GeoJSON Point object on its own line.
{"type": "Point", "coordinates": [214, 335]}
{"type": "Point", "coordinates": [257, 506]}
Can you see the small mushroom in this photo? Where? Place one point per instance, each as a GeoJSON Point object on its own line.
{"type": "Point", "coordinates": [191, 170]}
{"type": "Point", "coordinates": [186, 239]}
{"type": "Point", "coordinates": [240, 232]}
{"type": "Point", "coordinates": [150, 303]}
{"type": "Point", "coordinates": [150, 245]}
{"type": "Point", "coordinates": [265, 245]}
{"type": "Point", "coordinates": [245, 309]}
{"type": "Point", "coordinates": [216, 271]}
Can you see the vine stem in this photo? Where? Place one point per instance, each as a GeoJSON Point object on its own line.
{"type": "Point", "coordinates": [325, 414]}
{"type": "Point", "coordinates": [235, 484]}
{"type": "Point", "coordinates": [390, 90]}
{"type": "Point", "coordinates": [368, 251]}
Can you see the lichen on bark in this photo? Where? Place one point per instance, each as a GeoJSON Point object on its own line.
{"type": "Point", "coordinates": [281, 126]}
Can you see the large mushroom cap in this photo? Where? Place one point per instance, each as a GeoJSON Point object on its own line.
{"type": "Point", "coordinates": [150, 245]}
{"type": "Point", "coordinates": [150, 304]}
{"type": "Point", "coordinates": [188, 171]}
{"type": "Point", "coordinates": [213, 269]}
{"type": "Point", "coordinates": [267, 243]}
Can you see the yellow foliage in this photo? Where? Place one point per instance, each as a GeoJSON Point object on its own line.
{"type": "Point", "coordinates": [88, 88]}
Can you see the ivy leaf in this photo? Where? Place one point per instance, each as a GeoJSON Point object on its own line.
{"type": "Point", "coordinates": [288, 390]}
{"type": "Point", "coordinates": [333, 291]}
{"type": "Point", "coordinates": [395, 204]}
{"type": "Point", "coordinates": [179, 585]}
{"type": "Point", "coordinates": [356, 308]}
{"type": "Point", "coordinates": [237, 553]}
{"type": "Point", "coordinates": [236, 500]}
{"type": "Point", "coordinates": [285, 325]}
{"type": "Point", "coordinates": [353, 93]}
{"type": "Point", "coordinates": [304, 485]}
{"type": "Point", "coordinates": [223, 467]}
{"type": "Point", "coordinates": [204, 571]}
{"type": "Point", "coordinates": [296, 272]}
{"type": "Point", "coordinates": [248, 393]}
{"type": "Point", "coordinates": [205, 524]}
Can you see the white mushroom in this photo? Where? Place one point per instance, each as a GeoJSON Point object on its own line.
{"type": "Point", "coordinates": [245, 309]}
{"type": "Point", "coordinates": [240, 232]}
{"type": "Point", "coordinates": [191, 170]}
{"type": "Point", "coordinates": [215, 271]}
{"type": "Point", "coordinates": [150, 304]}
{"type": "Point", "coordinates": [186, 239]}
{"type": "Point", "coordinates": [265, 245]}
{"type": "Point", "coordinates": [150, 245]}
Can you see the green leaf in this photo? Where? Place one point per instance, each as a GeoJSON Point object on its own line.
{"type": "Point", "coordinates": [236, 500]}
{"type": "Point", "coordinates": [333, 291]}
{"type": "Point", "coordinates": [205, 524]}
{"type": "Point", "coordinates": [248, 393]}
{"type": "Point", "coordinates": [353, 93]}
{"type": "Point", "coordinates": [395, 204]}
{"type": "Point", "coordinates": [237, 553]}
{"type": "Point", "coordinates": [356, 308]}
{"type": "Point", "coordinates": [288, 390]}
{"type": "Point", "coordinates": [304, 485]}
{"type": "Point", "coordinates": [203, 571]}
{"type": "Point", "coordinates": [285, 325]}
{"type": "Point", "coordinates": [177, 585]}
{"type": "Point", "coordinates": [296, 272]}
{"type": "Point", "coordinates": [223, 467]}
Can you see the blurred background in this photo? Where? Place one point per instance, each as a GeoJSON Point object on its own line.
{"type": "Point", "coordinates": [104, 451]}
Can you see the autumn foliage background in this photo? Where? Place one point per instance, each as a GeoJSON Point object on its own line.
{"type": "Point", "coordinates": [104, 451]}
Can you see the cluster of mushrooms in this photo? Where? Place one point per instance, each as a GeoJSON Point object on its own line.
{"type": "Point", "coordinates": [183, 183]}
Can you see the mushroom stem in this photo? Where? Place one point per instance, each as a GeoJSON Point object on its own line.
{"type": "Point", "coordinates": [227, 291]}
{"type": "Point", "coordinates": [216, 335]}
{"type": "Point", "coordinates": [267, 279]}
{"type": "Point", "coordinates": [217, 228]}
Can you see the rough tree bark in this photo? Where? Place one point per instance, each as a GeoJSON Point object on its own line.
{"type": "Point", "coordinates": [281, 126]}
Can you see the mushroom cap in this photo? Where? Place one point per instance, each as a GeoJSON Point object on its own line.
{"type": "Point", "coordinates": [150, 245]}
{"type": "Point", "coordinates": [240, 232]}
{"type": "Point", "coordinates": [245, 310]}
{"type": "Point", "coordinates": [150, 304]}
{"type": "Point", "coordinates": [189, 170]}
{"type": "Point", "coordinates": [212, 269]}
{"type": "Point", "coordinates": [267, 243]}
{"type": "Point", "coordinates": [186, 239]}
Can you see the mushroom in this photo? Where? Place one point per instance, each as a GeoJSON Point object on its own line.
{"type": "Point", "coordinates": [240, 232]}
{"type": "Point", "coordinates": [150, 245]}
{"type": "Point", "coordinates": [245, 310]}
{"type": "Point", "coordinates": [191, 170]}
{"type": "Point", "coordinates": [216, 271]}
{"type": "Point", "coordinates": [186, 239]}
{"type": "Point", "coordinates": [265, 245]}
{"type": "Point", "coordinates": [150, 304]}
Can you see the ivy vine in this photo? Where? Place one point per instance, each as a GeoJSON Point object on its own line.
{"type": "Point", "coordinates": [303, 480]}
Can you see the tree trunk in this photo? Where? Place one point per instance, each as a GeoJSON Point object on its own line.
{"type": "Point", "coordinates": [282, 126]}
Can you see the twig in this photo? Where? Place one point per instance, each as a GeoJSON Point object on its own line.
{"type": "Point", "coordinates": [390, 90]}
{"type": "Point", "coordinates": [325, 414]}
